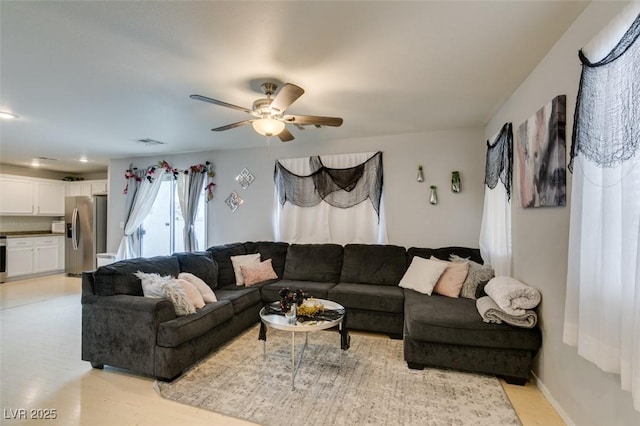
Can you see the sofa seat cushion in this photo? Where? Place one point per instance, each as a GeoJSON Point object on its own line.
{"type": "Point", "coordinates": [182, 329]}
{"type": "Point", "coordinates": [118, 278]}
{"type": "Point", "coordinates": [315, 289]}
{"type": "Point", "coordinates": [447, 320]}
{"type": "Point", "coordinates": [380, 298]}
{"type": "Point", "coordinates": [373, 264]}
{"type": "Point", "coordinates": [314, 262]}
{"type": "Point", "coordinates": [240, 297]}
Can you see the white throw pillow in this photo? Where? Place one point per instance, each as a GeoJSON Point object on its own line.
{"type": "Point", "coordinates": [244, 260]}
{"type": "Point", "coordinates": [422, 275]}
{"type": "Point", "coordinates": [207, 294]}
{"type": "Point", "coordinates": [153, 284]}
{"type": "Point", "coordinates": [175, 293]}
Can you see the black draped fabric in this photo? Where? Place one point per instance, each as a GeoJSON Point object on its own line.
{"type": "Point", "coordinates": [606, 126]}
{"type": "Point", "coordinates": [342, 188]}
{"type": "Point", "coordinates": [500, 159]}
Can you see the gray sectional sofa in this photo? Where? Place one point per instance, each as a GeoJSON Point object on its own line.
{"type": "Point", "coordinates": [122, 328]}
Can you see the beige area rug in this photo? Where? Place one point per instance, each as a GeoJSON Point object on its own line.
{"type": "Point", "coordinates": [369, 384]}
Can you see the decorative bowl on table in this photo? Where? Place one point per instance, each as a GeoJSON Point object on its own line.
{"type": "Point", "coordinates": [309, 308]}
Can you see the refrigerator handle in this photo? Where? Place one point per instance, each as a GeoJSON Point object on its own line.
{"type": "Point", "coordinates": [74, 229]}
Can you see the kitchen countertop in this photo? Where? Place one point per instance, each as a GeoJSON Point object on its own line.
{"type": "Point", "coordinates": [19, 234]}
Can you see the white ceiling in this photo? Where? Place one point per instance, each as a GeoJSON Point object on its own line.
{"type": "Point", "coordinates": [91, 78]}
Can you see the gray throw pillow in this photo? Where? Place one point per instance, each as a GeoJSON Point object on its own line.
{"type": "Point", "coordinates": [477, 275]}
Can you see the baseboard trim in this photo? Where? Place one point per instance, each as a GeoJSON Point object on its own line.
{"type": "Point", "coordinates": [545, 391]}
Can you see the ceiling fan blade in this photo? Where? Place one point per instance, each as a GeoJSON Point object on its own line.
{"type": "Point", "coordinates": [232, 125]}
{"type": "Point", "coordinates": [217, 102]}
{"type": "Point", "coordinates": [285, 135]}
{"type": "Point", "coordinates": [313, 119]}
{"type": "Point", "coordinates": [286, 96]}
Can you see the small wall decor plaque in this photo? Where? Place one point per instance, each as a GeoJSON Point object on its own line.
{"type": "Point", "coordinates": [233, 201]}
{"type": "Point", "coordinates": [245, 178]}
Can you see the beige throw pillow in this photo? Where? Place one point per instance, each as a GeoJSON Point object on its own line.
{"type": "Point", "coordinates": [255, 274]}
{"type": "Point", "coordinates": [422, 275]}
{"type": "Point", "coordinates": [205, 291]}
{"type": "Point", "coordinates": [243, 260]}
{"type": "Point", "coordinates": [450, 282]}
{"type": "Point", "coordinates": [191, 292]}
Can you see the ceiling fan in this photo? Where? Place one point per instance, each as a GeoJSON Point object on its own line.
{"type": "Point", "coordinates": [269, 118]}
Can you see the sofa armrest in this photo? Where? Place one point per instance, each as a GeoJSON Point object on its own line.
{"type": "Point", "coordinates": [122, 330]}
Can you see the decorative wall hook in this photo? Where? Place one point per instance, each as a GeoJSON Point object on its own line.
{"type": "Point", "coordinates": [420, 177]}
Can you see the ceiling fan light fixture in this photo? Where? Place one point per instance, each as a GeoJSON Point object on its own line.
{"type": "Point", "coordinates": [268, 126]}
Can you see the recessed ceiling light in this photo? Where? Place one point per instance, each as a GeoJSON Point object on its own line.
{"type": "Point", "coordinates": [8, 115]}
{"type": "Point", "coordinates": [83, 159]}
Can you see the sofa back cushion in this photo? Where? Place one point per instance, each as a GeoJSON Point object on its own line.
{"type": "Point", "coordinates": [201, 265]}
{"type": "Point", "coordinates": [222, 256]}
{"type": "Point", "coordinates": [314, 262]}
{"type": "Point", "coordinates": [118, 278]}
{"type": "Point", "coordinates": [277, 252]}
{"type": "Point", "coordinates": [373, 264]}
{"type": "Point", "coordinates": [445, 253]}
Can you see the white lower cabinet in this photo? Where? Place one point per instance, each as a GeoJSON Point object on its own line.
{"type": "Point", "coordinates": [20, 256]}
{"type": "Point", "coordinates": [34, 255]}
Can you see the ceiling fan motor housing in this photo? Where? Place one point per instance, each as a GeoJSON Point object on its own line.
{"type": "Point", "coordinates": [262, 106]}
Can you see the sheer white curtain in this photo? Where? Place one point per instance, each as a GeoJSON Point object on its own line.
{"type": "Point", "coordinates": [141, 204]}
{"type": "Point", "coordinates": [190, 186]}
{"type": "Point", "coordinates": [602, 307]}
{"type": "Point", "coordinates": [326, 224]}
{"type": "Point", "coordinates": [495, 230]}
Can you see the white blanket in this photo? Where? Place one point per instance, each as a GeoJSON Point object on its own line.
{"type": "Point", "coordinates": [491, 312]}
{"type": "Point", "coordinates": [511, 295]}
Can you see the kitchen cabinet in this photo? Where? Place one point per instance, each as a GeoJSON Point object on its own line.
{"type": "Point", "coordinates": [17, 196]}
{"type": "Point", "coordinates": [49, 198]}
{"type": "Point", "coordinates": [86, 187]}
{"type": "Point", "coordinates": [99, 187]}
{"type": "Point", "coordinates": [23, 196]}
{"type": "Point", "coordinates": [34, 255]}
{"type": "Point", "coordinates": [20, 256]}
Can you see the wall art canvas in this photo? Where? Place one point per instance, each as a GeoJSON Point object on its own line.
{"type": "Point", "coordinates": [542, 156]}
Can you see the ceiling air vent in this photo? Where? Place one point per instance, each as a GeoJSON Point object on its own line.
{"type": "Point", "coordinates": [150, 142]}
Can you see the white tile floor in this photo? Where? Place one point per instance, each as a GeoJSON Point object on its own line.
{"type": "Point", "coordinates": [40, 324]}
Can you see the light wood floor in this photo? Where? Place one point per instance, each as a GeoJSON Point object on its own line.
{"type": "Point", "coordinates": [40, 323]}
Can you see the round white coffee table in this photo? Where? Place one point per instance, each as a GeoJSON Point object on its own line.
{"type": "Point", "coordinates": [280, 322]}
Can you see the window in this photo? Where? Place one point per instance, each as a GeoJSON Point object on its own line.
{"type": "Point", "coordinates": [161, 232]}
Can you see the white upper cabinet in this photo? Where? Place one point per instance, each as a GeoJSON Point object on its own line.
{"type": "Point", "coordinates": [86, 187]}
{"type": "Point", "coordinates": [50, 198]}
{"type": "Point", "coordinates": [25, 196]}
{"type": "Point", "coordinates": [17, 196]}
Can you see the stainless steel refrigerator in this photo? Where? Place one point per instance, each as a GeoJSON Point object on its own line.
{"type": "Point", "coordinates": [86, 232]}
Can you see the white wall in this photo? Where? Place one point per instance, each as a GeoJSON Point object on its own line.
{"type": "Point", "coordinates": [584, 393]}
{"type": "Point", "coordinates": [411, 220]}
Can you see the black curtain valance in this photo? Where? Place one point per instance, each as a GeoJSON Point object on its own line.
{"type": "Point", "coordinates": [606, 125]}
{"type": "Point", "coordinates": [500, 159]}
{"type": "Point", "coordinates": [342, 188]}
